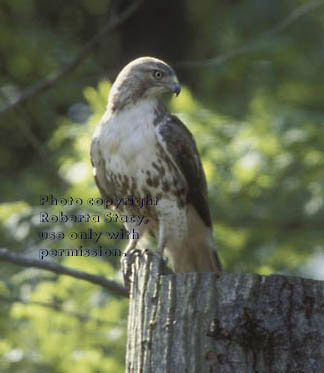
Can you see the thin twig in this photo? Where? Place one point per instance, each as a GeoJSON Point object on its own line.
{"type": "Point", "coordinates": [28, 133]}
{"type": "Point", "coordinates": [112, 286]}
{"type": "Point", "coordinates": [291, 18]}
{"type": "Point", "coordinates": [50, 81]}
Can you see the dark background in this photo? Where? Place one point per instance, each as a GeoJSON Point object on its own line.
{"type": "Point", "coordinates": [253, 90]}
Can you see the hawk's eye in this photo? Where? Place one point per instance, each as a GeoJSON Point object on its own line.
{"type": "Point", "coordinates": [157, 74]}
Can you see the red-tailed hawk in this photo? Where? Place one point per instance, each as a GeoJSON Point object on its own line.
{"type": "Point", "coordinates": [140, 149]}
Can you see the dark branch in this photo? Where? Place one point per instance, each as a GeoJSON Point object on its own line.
{"type": "Point", "coordinates": [49, 82]}
{"type": "Point", "coordinates": [112, 286]}
{"type": "Point", "coordinates": [291, 18]}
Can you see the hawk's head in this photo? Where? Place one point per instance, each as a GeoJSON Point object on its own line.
{"type": "Point", "coordinates": [145, 77]}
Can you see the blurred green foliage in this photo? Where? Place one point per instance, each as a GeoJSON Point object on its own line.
{"type": "Point", "coordinates": [258, 119]}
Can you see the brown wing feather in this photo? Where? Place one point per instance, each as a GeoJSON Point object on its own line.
{"type": "Point", "coordinates": [183, 150]}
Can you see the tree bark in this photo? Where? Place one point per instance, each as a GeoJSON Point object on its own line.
{"type": "Point", "coordinates": [196, 322]}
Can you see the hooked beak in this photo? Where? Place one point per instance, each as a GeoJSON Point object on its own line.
{"type": "Point", "coordinates": [176, 88]}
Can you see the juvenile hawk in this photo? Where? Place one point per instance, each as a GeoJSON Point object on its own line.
{"type": "Point", "coordinates": [140, 149]}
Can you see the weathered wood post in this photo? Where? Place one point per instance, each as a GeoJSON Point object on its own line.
{"type": "Point", "coordinates": [197, 322]}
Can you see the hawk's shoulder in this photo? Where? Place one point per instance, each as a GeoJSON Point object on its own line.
{"type": "Point", "coordinates": [181, 147]}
